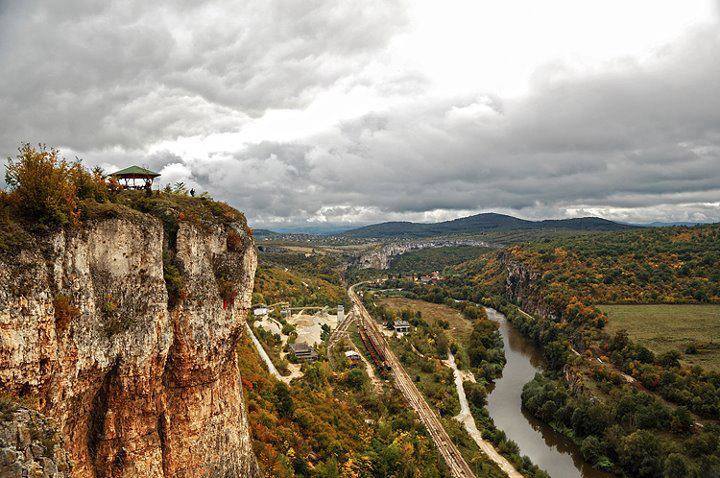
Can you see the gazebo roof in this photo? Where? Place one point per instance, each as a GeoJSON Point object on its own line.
{"type": "Point", "coordinates": [135, 172]}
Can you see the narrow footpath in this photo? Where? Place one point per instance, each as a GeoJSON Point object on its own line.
{"type": "Point", "coordinates": [263, 354]}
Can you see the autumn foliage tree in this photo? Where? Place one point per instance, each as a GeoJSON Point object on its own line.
{"type": "Point", "coordinates": [47, 189]}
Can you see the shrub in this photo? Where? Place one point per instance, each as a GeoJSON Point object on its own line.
{"type": "Point", "coordinates": [671, 358]}
{"type": "Point", "coordinates": [681, 420]}
{"type": "Point", "coordinates": [288, 328]}
{"type": "Point", "coordinates": [46, 188]}
{"type": "Point", "coordinates": [676, 466]}
{"type": "Point", "coordinates": [89, 185]}
{"type": "Point", "coordinates": [12, 235]}
{"type": "Point", "coordinates": [114, 322]}
{"type": "Point", "coordinates": [234, 241]}
{"type": "Point", "coordinates": [283, 400]}
{"type": "Point", "coordinates": [356, 379]}
{"type": "Point", "coordinates": [109, 306]}
{"type": "Point", "coordinates": [476, 393]}
{"type": "Point", "coordinates": [640, 454]}
{"type": "Point", "coordinates": [65, 312]}
{"type": "Point", "coordinates": [591, 449]}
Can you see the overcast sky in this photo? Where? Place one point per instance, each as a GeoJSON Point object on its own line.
{"type": "Point", "coordinates": [331, 112]}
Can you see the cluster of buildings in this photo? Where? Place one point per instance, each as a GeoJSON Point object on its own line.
{"type": "Point", "coordinates": [430, 278]}
{"type": "Point", "coordinates": [303, 351]}
{"type": "Point", "coordinates": [307, 353]}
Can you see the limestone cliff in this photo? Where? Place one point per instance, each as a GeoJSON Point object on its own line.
{"type": "Point", "coordinates": [522, 286]}
{"type": "Point", "coordinates": [380, 257]}
{"type": "Point", "coordinates": [141, 382]}
{"type": "Point", "coordinates": [30, 445]}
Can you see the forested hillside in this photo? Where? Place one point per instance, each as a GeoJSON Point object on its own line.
{"type": "Point", "coordinates": [642, 422]}
{"type": "Point", "coordinates": [332, 424]}
{"type": "Point", "coordinates": [299, 280]}
{"type": "Point", "coordinates": [479, 223]}
{"type": "Point", "coordinates": [660, 265]}
{"type": "Point", "coordinates": [425, 261]}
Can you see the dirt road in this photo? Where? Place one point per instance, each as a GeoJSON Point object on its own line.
{"type": "Point", "coordinates": [262, 353]}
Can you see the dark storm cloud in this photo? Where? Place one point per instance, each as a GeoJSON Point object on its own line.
{"type": "Point", "coordinates": [634, 137]}
{"type": "Point", "coordinates": [631, 140]}
{"type": "Point", "coordinates": [93, 75]}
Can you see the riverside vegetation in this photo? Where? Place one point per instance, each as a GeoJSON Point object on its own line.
{"type": "Point", "coordinates": [441, 325]}
{"type": "Point", "coordinates": [647, 428]}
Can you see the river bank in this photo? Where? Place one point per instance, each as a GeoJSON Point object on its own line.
{"type": "Point", "coordinates": [544, 446]}
{"type": "Point", "coordinates": [465, 417]}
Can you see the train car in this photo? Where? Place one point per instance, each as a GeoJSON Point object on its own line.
{"type": "Point", "coordinates": [376, 354]}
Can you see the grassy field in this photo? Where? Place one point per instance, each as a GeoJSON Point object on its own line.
{"type": "Point", "coordinates": [460, 327]}
{"type": "Point", "coordinates": [672, 327]}
{"type": "Point", "coordinates": [424, 261]}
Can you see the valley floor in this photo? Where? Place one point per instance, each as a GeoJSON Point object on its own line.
{"type": "Point", "coordinates": [693, 330]}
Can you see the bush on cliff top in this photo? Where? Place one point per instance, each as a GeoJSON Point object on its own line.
{"type": "Point", "coordinates": [46, 191]}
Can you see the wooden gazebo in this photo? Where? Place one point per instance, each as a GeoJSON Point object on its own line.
{"type": "Point", "coordinates": [135, 177]}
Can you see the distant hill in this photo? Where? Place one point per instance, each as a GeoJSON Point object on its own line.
{"type": "Point", "coordinates": [485, 222]}
{"type": "Point", "coordinates": [315, 230]}
{"type": "Point", "coordinates": [672, 224]}
{"type": "Point", "coordinates": [264, 233]}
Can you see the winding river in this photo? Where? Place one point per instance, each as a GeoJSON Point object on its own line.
{"type": "Point", "coordinates": [545, 447]}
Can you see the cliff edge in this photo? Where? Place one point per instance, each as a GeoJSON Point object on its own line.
{"type": "Point", "coordinates": [122, 330]}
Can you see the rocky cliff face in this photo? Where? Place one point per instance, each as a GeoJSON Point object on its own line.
{"type": "Point", "coordinates": [141, 383]}
{"type": "Point", "coordinates": [522, 287]}
{"type": "Point", "coordinates": [30, 445]}
{"type": "Point", "coordinates": [380, 258]}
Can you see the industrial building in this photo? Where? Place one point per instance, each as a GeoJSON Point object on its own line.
{"type": "Point", "coordinates": [401, 326]}
{"type": "Point", "coordinates": [303, 352]}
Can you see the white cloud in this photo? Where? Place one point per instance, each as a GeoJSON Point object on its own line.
{"type": "Point", "coordinates": [338, 111]}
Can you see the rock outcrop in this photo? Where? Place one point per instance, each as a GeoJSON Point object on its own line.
{"type": "Point", "coordinates": [522, 286]}
{"type": "Point", "coordinates": [381, 257]}
{"type": "Point", "coordinates": [30, 445]}
{"type": "Point", "coordinates": [124, 333]}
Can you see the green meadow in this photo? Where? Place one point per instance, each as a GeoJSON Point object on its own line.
{"type": "Point", "coordinates": [694, 330]}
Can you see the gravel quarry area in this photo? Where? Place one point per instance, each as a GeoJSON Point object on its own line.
{"type": "Point", "coordinates": [271, 325]}
{"type": "Point", "coordinates": [309, 327]}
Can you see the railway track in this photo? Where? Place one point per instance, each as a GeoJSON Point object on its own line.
{"type": "Point", "coordinates": [455, 461]}
{"type": "Point", "coordinates": [375, 350]}
{"type": "Point", "coordinates": [341, 330]}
